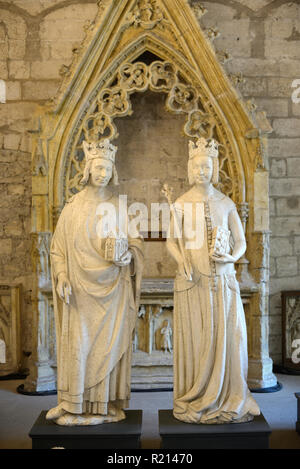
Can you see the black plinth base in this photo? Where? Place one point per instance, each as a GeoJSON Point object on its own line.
{"type": "Point", "coordinates": [21, 390]}
{"type": "Point", "coordinates": [179, 435]}
{"type": "Point", "coordinates": [297, 394]}
{"type": "Point", "coordinates": [125, 434]}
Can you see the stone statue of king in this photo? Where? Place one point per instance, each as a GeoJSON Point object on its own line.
{"type": "Point", "coordinates": [96, 277]}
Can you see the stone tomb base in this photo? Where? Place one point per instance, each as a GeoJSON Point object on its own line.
{"type": "Point", "coordinates": [125, 434]}
{"type": "Point", "coordinates": [179, 435]}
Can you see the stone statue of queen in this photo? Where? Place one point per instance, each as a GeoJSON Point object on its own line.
{"type": "Point", "coordinates": [210, 338]}
{"type": "Point", "coordinates": [96, 297]}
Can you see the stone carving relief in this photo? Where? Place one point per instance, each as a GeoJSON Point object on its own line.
{"type": "Point", "coordinates": [146, 14]}
{"type": "Point", "coordinates": [153, 329]}
{"type": "Point", "coordinates": [200, 124]}
{"type": "Point", "coordinates": [162, 76]}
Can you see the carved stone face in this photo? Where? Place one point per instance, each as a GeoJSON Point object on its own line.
{"type": "Point", "coordinates": [202, 169]}
{"type": "Point", "coordinates": [100, 172]}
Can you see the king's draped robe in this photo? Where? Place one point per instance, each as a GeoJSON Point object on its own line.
{"type": "Point", "coordinates": [94, 331]}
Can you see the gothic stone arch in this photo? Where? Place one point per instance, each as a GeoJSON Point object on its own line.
{"type": "Point", "coordinates": [108, 68]}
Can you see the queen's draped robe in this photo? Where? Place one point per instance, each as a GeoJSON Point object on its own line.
{"type": "Point", "coordinates": [94, 331]}
{"type": "Point", "coordinates": [210, 338]}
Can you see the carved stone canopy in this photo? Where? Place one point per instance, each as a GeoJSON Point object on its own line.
{"type": "Point", "coordinates": [110, 66]}
{"type": "Point", "coordinates": [138, 45]}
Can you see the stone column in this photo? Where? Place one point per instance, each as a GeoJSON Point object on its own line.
{"type": "Point", "coordinates": [42, 377]}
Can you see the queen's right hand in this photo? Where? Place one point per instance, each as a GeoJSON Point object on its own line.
{"type": "Point", "coordinates": [125, 259]}
{"type": "Point", "coordinates": [64, 288]}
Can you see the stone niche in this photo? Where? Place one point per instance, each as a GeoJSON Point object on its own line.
{"type": "Point", "coordinates": [148, 77]}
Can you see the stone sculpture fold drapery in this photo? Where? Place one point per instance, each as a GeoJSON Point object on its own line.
{"type": "Point", "coordinates": [96, 317]}
{"type": "Point", "coordinates": [210, 339]}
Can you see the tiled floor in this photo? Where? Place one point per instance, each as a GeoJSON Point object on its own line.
{"type": "Point", "coordinates": [18, 413]}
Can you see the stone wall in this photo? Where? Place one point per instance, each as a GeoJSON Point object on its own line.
{"type": "Point", "coordinates": [38, 37]}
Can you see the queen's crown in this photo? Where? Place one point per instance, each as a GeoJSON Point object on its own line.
{"type": "Point", "coordinates": [203, 148]}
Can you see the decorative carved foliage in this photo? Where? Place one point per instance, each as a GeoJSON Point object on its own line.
{"type": "Point", "coordinates": [153, 332]}
{"type": "Point", "coordinates": [113, 100]}
{"type": "Point", "coordinates": [212, 33]}
{"type": "Point", "coordinates": [243, 210]}
{"type": "Point", "coordinates": [199, 10]}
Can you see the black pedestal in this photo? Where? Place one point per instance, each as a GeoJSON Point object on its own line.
{"type": "Point", "coordinates": [297, 394]}
{"type": "Point", "coordinates": [125, 434]}
{"type": "Point", "coordinates": [179, 435]}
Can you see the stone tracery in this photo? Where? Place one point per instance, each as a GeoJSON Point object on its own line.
{"type": "Point", "coordinates": [114, 101]}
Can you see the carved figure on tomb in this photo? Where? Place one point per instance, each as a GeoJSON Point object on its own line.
{"type": "Point", "coordinates": [166, 332]}
{"type": "Point", "coordinates": [96, 297]}
{"type": "Point", "coordinates": [210, 339]}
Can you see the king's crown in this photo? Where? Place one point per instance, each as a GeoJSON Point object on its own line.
{"type": "Point", "coordinates": [103, 149]}
{"type": "Point", "coordinates": [204, 148]}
